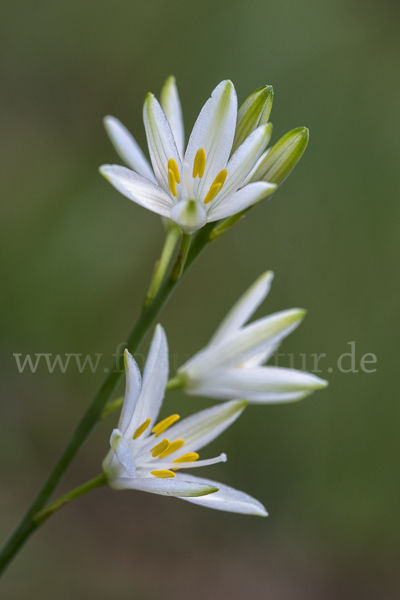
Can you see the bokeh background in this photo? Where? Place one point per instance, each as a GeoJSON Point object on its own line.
{"type": "Point", "coordinates": [75, 263]}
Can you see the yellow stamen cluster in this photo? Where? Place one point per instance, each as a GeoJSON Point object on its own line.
{"type": "Point", "coordinates": [156, 451]}
{"type": "Point", "coordinates": [216, 186]}
{"type": "Point", "coordinates": [172, 447]}
{"type": "Point", "coordinates": [163, 473]}
{"type": "Point", "coordinates": [173, 176]}
{"type": "Point", "coordinates": [199, 163]}
{"type": "Point", "coordinates": [163, 425]}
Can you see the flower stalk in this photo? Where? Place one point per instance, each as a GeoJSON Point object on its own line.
{"type": "Point", "coordinates": [90, 485]}
{"type": "Point", "coordinates": [171, 239]}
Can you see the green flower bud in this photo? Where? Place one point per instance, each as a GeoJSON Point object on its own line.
{"type": "Point", "coordinates": [254, 112]}
{"type": "Point", "coordinates": [281, 159]}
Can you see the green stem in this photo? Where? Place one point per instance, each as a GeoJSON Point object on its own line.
{"type": "Point", "coordinates": [171, 239]}
{"type": "Point", "coordinates": [90, 485]}
{"type": "Point", "coordinates": [93, 414]}
{"type": "Point", "coordinates": [182, 257]}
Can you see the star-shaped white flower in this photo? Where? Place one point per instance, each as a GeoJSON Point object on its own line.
{"type": "Point", "coordinates": [146, 455]}
{"type": "Point", "coordinates": [231, 365]}
{"type": "Point", "coordinates": [203, 184]}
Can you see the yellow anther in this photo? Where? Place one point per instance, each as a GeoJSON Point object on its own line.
{"type": "Point", "coordinates": [172, 182]}
{"type": "Point", "coordinates": [141, 428]}
{"type": "Point", "coordinates": [163, 425]}
{"type": "Point", "coordinates": [199, 163]}
{"type": "Point", "coordinates": [172, 447]}
{"type": "Point", "coordinates": [216, 186]}
{"type": "Point", "coordinates": [160, 448]}
{"type": "Point", "coordinates": [163, 474]}
{"type": "Point", "coordinates": [212, 192]}
{"type": "Point", "coordinates": [174, 168]}
{"type": "Point", "coordinates": [189, 457]}
{"type": "Point", "coordinates": [220, 178]}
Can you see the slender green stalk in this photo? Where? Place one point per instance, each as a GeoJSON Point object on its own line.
{"type": "Point", "coordinates": [182, 257]}
{"type": "Point", "coordinates": [90, 485]}
{"type": "Point", "coordinates": [171, 239]}
{"type": "Point", "coordinates": [93, 414]}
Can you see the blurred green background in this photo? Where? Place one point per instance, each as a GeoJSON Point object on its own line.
{"type": "Point", "coordinates": [75, 263]}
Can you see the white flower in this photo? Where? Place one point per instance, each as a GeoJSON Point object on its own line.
{"type": "Point", "coordinates": [145, 455]}
{"type": "Point", "coordinates": [203, 184]}
{"type": "Point", "coordinates": [230, 366]}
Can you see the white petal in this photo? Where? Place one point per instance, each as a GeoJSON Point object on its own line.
{"type": "Point", "coordinates": [262, 357]}
{"type": "Point", "coordinates": [190, 465]}
{"type": "Point", "coordinates": [172, 108]}
{"type": "Point", "coordinates": [166, 487]}
{"type": "Point", "coordinates": [189, 215]}
{"type": "Point", "coordinates": [203, 427]}
{"type": "Point", "coordinates": [239, 346]}
{"type": "Point", "coordinates": [200, 429]}
{"type": "Point", "coordinates": [160, 140]}
{"type": "Point", "coordinates": [132, 390]}
{"type": "Point", "coordinates": [214, 131]}
{"type": "Point", "coordinates": [260, 384]}
{"type": "Point", "coordinates": [137, 188]}
{"type": "Point", "coordinates": [128, 148]}
{"type": "Point", "coordinates": [240, 200]}
{"type": "Point", "coordinates": [244, 308]}
{"type": "Point", "coordinates": [243, 160]}
{"type": "Point", "coordinates": [123, 452]}
{"type": "Point", "coordinates": [227, 498]}
{"type": "Point", "coordinates": [155, 377]}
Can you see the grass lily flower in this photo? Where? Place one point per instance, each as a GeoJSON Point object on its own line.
{"type": "Point", "coordinates": [231, 365]}
{"type": "Point", "coordinates": [203, 184]}
{"type": "Point", "coordinates": [146, 455]}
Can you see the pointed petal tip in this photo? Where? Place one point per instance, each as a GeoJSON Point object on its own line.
{"type": "Point", "coordinates": [149, 96]}
{"type": "Point", "coordinates": [267, 276]}
{"type": "Point", "coordinates": [321, 384]}
{"type": "Point", "coordinates": [103, 170]}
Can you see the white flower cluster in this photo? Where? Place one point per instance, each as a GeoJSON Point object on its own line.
{"type": "Point", "coordinates": [225, 169]}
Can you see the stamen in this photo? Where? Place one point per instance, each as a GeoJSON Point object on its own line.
{"type": "Point", "coordinates": [199, 163]}
{"type": "Point", "coordinates": [174, 168]}
{"type": "Point", "coordinates": [220, 178]}
{"type": "Point", "coordinates": [141, 428]}
{"type": "Point", "coordinates": [189, 457]}
{"type": "Point", "coordinates": [163, 474]}
{"type": "Point", "coordinates": [160, 447]}
{"type": "Point", "coordinates": [172, 447]}
{"type": "Point", "coordinates": [213, 191]}
{"type": "Point", "coordinates": [172, 183]}
{"type": "Point", "coordinates": [163, 425]}
{"type": "Point", "coordinates": [216, 186]}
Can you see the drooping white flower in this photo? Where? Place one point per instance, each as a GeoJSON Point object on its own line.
{"type": "Point", "coordinates": [201, 185]}
{"type": "Point", "coordinates": [231, 365]}
{"type": "Point", "coordinates": [145, 455]}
